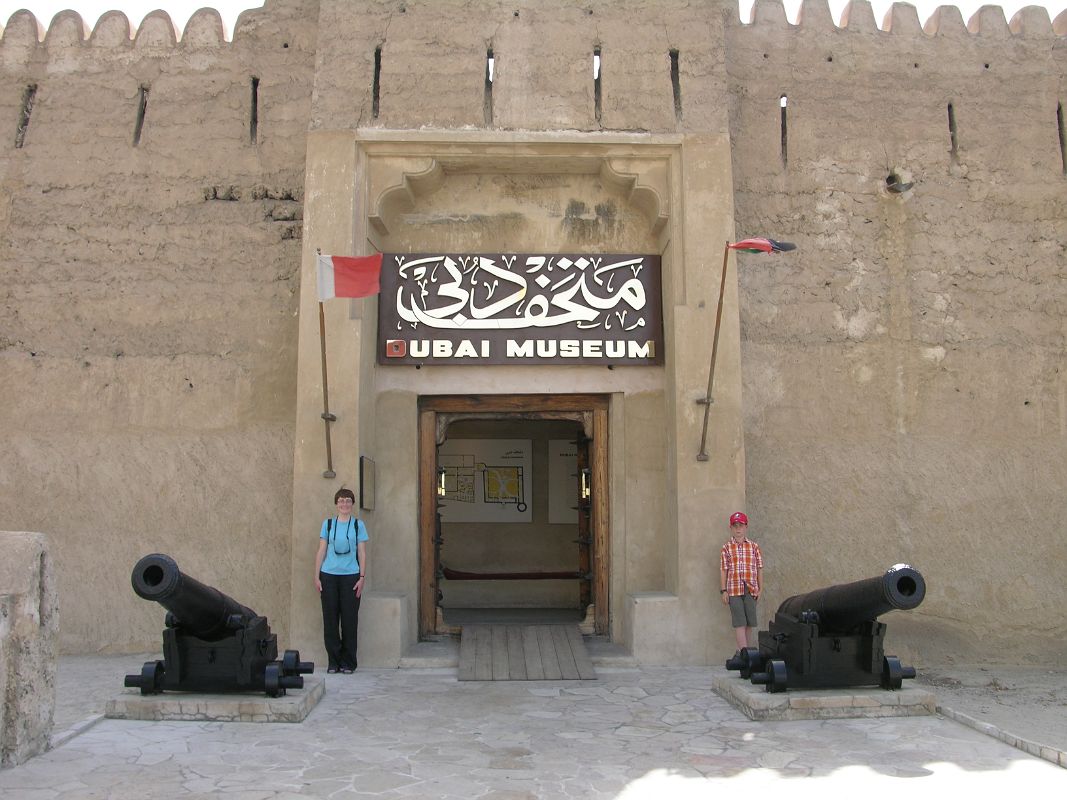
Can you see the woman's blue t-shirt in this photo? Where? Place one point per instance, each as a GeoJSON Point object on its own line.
{"type": "Point", "coordinates": [343, 537]}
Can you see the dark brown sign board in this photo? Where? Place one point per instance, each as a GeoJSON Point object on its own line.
{"type": "Point", "coordinates": [520, 308]}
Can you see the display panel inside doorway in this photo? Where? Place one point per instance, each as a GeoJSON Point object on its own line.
{"type": "Point", "coordinates": [486, 480]}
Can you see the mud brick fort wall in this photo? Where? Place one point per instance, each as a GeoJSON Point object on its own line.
{"type": "Point", "coordinates": [149, 296]}
{"type": "Point", "coordinates": [903, 383]}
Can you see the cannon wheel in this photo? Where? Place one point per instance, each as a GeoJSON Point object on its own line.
{"type": "Point", "coordinates": [777, 679]}
{"type": "Point", "coordinates": [751, 661]}
{"type": "Point", "coordinates": [152, 677]}
{"type": "Point", "coordinates": [291, 662]}
{"type": "Point", "coordinates": [892, 673]}
{"type": "Point", "coordinates": [272, 679]}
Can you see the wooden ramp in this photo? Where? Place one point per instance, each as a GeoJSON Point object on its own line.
{"type": "Point", "coordinates": [523, 653]}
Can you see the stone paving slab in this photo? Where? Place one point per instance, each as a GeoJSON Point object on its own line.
{"type": "Point", "coordinates": [796, 704]}
{"type": "Point", "coordinates": [631, 734]}
{"type": "Point", "coordinates": [294, 706]}
{"type": "Point", "coordinates": [1023, 705]}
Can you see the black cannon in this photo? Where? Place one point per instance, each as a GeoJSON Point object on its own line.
{"type": "Point", "coordinates": [832, 637]}
{"type": "Point", "coordinates": [211, 642]}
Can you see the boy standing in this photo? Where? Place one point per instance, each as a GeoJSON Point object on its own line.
{"type": "Point", "coordinates": [741, 580]}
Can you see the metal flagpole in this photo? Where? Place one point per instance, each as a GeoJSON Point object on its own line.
{"type": "Point", "coordinates": [707, 399]}
{"type": "Point", "coordinates": [326, 415]}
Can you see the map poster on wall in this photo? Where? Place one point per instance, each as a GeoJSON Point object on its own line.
{"type": "Point", "coordinates": [562, 482]}
{"type": "Point", "coordinates": [486, 480]}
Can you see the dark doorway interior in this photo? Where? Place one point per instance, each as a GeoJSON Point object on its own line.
{"type": "Point", "coordinates": [527, 560]}
{"type": "Point", "coordinates": [538, 554]}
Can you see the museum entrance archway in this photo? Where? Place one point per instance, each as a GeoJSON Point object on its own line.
{"type": "Point", "coordinates": [513, 498]}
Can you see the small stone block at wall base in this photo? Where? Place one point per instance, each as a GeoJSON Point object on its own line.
{"type": "Point", "coordinates": [29, 632]}
{"type": "Point", "coordinates": [853, 702]}
{"type": "Point", "coordinates": [294, 706]}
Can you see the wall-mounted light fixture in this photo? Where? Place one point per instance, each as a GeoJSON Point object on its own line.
{"type": "Point", "coordinates": [440, 481]}
{"type": "Point", "coordinates": [587, 482]}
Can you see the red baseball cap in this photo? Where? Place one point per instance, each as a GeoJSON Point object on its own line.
{"type": "Point", "coordinates": [738, 516]}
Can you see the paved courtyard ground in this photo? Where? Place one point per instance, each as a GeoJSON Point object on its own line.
{"type": "Point", "coordinates": [419, 733]}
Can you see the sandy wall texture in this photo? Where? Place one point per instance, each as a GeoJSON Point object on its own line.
{"type": "Point", "coordinates": [904, 387]}
{"type": "Point", "coordinates": [903, 371]}
{"type": "Point", "coordinates": [148, 294]}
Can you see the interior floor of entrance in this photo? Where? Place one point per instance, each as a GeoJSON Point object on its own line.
{"type": "Point", "coordinates": [512, 616]}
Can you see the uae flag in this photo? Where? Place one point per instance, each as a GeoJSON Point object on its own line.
{"type": "Point", "coordinates": [762, 246]}
{"type": "Point", "coordinates": [346, 276]}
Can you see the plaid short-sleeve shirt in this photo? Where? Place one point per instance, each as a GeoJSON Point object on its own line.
{"type": "Point", "coordinates": [740, 561]}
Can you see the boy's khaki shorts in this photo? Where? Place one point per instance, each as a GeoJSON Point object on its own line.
{"type": "Point", "coordinates": [743, 611]}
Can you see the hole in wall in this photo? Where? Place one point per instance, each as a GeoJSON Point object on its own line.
{"type": "Point", "coordinates": [597, 86]}
{"type": "Point", "coordinates": [142, 110]}
{"type": "Point", "coordinates": [376, 84]}
{"type": "Point", "coordinates": [783, 103]}
{"type": "Point", "coordinates": [1062, 131]}
{"type": "Point", "coordinates": [487, 99]}
{"type": "Point", "coordinates": [953, 133]}
{"type": "Point", "coordinates": [253, 113]}
{"type": "Point", "coordinates": [29, 94]}
{"type": "Point", "coordinates": [676, 84]}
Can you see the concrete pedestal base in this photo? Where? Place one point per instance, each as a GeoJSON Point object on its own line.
{"type": "Point", "coordinates": [758, 704]}
{"type": "Point", "coordinates": [293, 707]}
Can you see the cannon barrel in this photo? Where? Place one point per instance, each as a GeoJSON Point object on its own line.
{"type": "Point", "coordinates": [201, 610]}
{"type": "Point", "coordinates": [842, 607]}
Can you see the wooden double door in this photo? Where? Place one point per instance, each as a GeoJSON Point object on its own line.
{"type": "Point", "coordinates": [590, 413]}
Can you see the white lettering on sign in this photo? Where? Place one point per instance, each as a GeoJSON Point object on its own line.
{"type": "Point", "coordinates": [439, 348]}
{"type": "Point", "coordinates": [523, 349]}
{"type": "Point", "coordinates": [476, 292]}
{"type": "Point", "coordinates": [503, 308]}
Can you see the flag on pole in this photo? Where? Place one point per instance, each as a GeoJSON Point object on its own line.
{"type": "Point", "coordinates": [346, 276]}
{"type": "Point", "coordinates": [762, 246]}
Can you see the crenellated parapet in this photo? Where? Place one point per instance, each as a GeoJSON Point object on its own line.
{"type": "Point", "coordinates": [902, 19]}
{"type": "Point", "coordinates": [204, 28]}
{"type": "Point", "coordinates": [980, 86]}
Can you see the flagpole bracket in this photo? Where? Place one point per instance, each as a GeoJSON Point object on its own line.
{"type": "Point", "coordinates": [705, 401]}
{"type": "Point", "coordinates": [702, 457]}
{"type": "Point", "coordinates": [329, 473]}
{"type": "Point", "coordinates": [326, 415]}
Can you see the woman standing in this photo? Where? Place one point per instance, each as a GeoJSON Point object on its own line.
{"type": "Point", "coordinates": [339, 577]}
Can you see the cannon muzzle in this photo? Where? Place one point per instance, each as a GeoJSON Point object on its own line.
{"type": "Point", "coordinates": [201, 610]}
{"type": "Point", "coordinates": [841, 608]}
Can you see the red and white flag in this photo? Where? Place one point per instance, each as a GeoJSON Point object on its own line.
{"type": "Point", "coordinates": [346, 276]}
{"type": "Point", "coordinates": [761, 245]}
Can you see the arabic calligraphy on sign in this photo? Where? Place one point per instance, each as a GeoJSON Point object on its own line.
{"type": "Point", "coordinates": [483, 292]}
{"type": "Point", "coordinates": [428, 298]}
